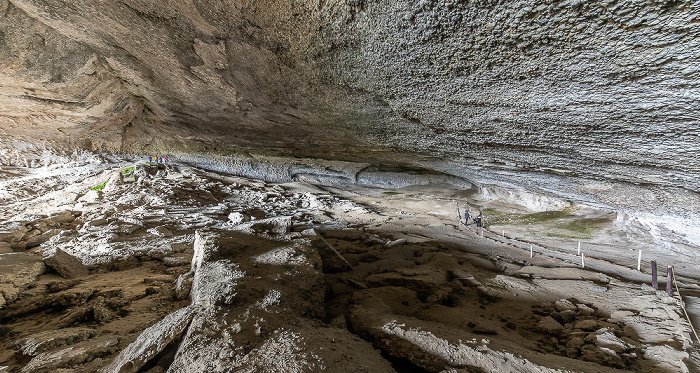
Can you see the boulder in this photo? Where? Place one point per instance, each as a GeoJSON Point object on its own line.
{"type": "Point", "coordinates": [564, 305]}
{"type": "Point", "coordinates": [39, 239]}
{"type": "Point", "coordinates": [115, 180]}
{"type": "Point", "coordinates": [549, 325]}
{"type": "Point", "coordinates": [237, 218]}
{"type": "Point", "coordinates": [63, 217]}
{"type": "Point", "coordinates": [91, 196]}
{"type": "Point", "coordinates": [12, 231]}
{"type": "Point", "coordinates": [276, 225]}
{"type": "Point", "coordinates": [607, 339]}
{"type": "Point", "coordinates": [66, 265]}
{"type": "Point", "coordinates": [585, 310]}
{"type": "Point", "coordinates": [586, 325]}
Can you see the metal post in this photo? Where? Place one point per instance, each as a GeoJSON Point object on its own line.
{"type": "Point", "coordinates": [654, 279]}
{"type": "Point", "coordinates": [583, 265]}
{"type": "Point", "coordinates": [639, 261]}
{"type": "Point", "coordinates": [530, 251]}
{"type": "Point", "coordinates": [669, 281]}
{"type": "Point", "coordinates": [579, 247]}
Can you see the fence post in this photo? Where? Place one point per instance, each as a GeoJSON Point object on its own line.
{"type": "Point", "coordinates": [582, 264]}
{"type": "Point", "coordinates": [639, 261]}
{"type": "Point", "coordinates": [654, 279]}
{"type": "Point", "coordinates": [530, 251]}
{"type": "Point", "coordinates": [669, 280]}
{"type": "Point", "coordinates": [579, 247]}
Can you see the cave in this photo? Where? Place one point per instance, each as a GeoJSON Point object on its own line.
{"type": "Point", "coordinates": [347, 185]}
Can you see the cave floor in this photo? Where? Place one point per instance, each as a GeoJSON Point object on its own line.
{"type": "Point", "coordinates": [402, 284]}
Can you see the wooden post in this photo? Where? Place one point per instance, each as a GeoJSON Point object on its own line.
{"type": "Point", "coordinates": [669, 281]}
{"type": "Point", "coordinates": [583, 265]}
{"type": "Point", "coordinates": [639, 261]}
{"type": "Point", "coordinates": [654, 279]}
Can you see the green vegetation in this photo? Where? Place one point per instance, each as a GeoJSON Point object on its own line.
{"type": "Point", "coordinates": [584, 226]}
{"type": "Point", "coordinates": [544, 216]}
{"type": "Point", "coordinates": [100, 186]}
{"type": "Point", "coordinates": [126, 171]}
{"type": "Point", "coordinates": [491, 212]}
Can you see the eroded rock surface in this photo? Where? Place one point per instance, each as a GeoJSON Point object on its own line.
{"type": "Point", "coordinates": [252, 309]}
{"type": "Point", "coordinates": [564, 76]}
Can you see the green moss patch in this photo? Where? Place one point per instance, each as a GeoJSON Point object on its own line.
{"type": "Point", "coordinates": [584, 226]}
{"type": "Point", "coordinates": [544, 216]}
{"type": "Point", "coordinates": [126, 171]}
{"type": "Point", "coordinates": [100, 186]}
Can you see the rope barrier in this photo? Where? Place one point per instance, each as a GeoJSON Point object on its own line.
{"type": "Point", "coordinates": [684, 310]}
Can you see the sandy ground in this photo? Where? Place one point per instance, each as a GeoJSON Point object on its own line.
{"type": "Point", "coordinates": [424, 291]}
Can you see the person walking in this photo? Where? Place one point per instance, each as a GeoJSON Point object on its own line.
{"type": "Point", "coordinates": [466, 218]}
{"type": "Point", "coordinates": [480, 220]}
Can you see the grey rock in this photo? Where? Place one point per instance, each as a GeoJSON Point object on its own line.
{"type": "Point", "coordinates": [564, 305]}
{"type": "Point", "coordinates": [115, 180]}
{"type": "Point", "coordinates": [152, 341]}
{"type": "Point", "coordinates": [276, 225]}
{"type": "Point", "coordinates": [12, 231]}
{"type": "Point", "coordinates": [51, 339]}
{"type": "Point", "coordinates": [549, 325]}
{"type": "Point", "coordinates": [66, 265]}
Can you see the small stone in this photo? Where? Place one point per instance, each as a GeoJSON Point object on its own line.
{"type": "Point", "coordinates": [586, 325]}
{"type": "Point", "coordinates": [566, 316]}
{"type": "Point", "coordinates": [91, 196]}
{"type": "Point", "coordinates": [400, 241]}
{"type": "Point", "coordinates": [115, 180]}
{"type": "Point", "coordinates": [237, 218]}
{"type": "Point", "coordinates": [549, 325]}
{"type": "Point", "coordinates": [585, 310]}
{"type": "Point", "coordinates": [564, 305]}
{"type": "Point", "coordinates": [620, 315]}
{"type": "Point", "coordinates": [66, 265]}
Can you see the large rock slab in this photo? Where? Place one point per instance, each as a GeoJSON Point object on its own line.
{"type": "Point", "coordinates": [66, 265]}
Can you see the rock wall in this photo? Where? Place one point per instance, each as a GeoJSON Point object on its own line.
{"type": "Point", "coordinates": [565, 84]}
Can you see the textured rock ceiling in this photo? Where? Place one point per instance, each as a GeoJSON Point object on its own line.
{"type": "Point", "coordinates": [336, 78]}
